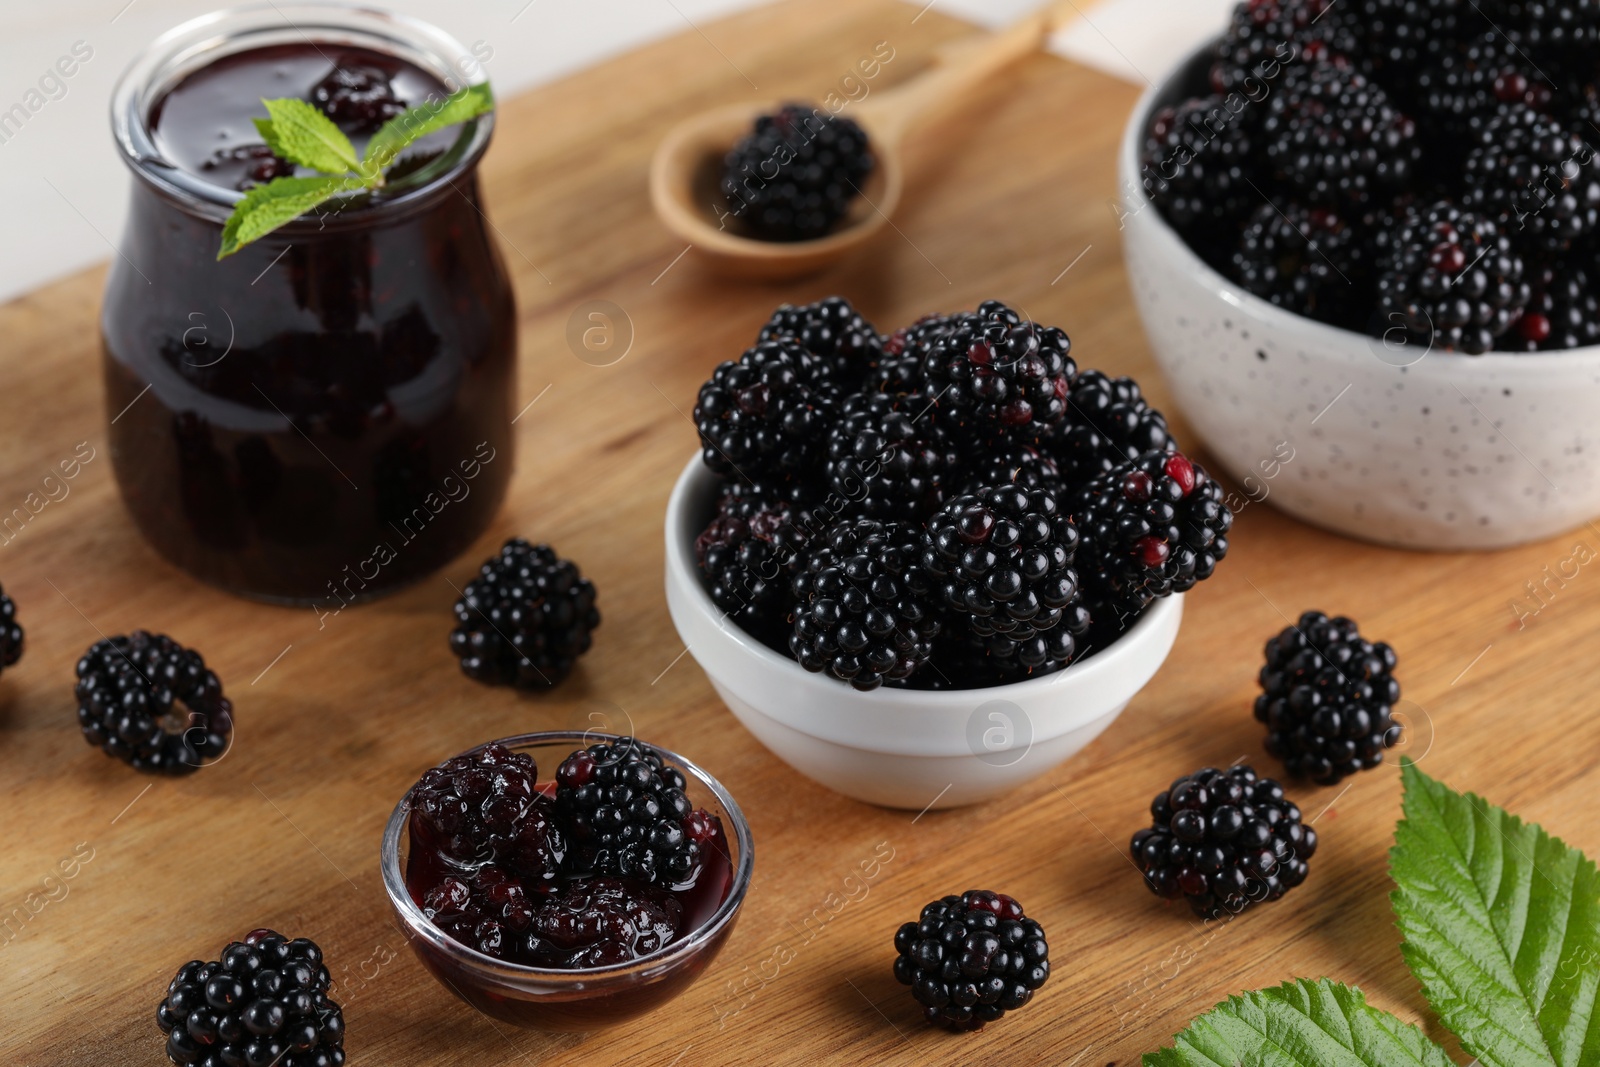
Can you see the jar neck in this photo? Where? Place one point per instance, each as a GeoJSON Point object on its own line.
{"type": "Point", "coordinates": [200, 42]}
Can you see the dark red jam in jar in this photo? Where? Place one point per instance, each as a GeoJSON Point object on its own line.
{"type": "Point", "coordinates": [324, 415]}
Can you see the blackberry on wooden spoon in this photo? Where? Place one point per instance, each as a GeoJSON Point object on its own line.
{"type": "Point", "coordinates": [796, 174]}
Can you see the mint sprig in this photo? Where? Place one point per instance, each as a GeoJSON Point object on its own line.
{"type": "Point", "coordinates": [1502, 927]}
{"type": "Point", "coordinates": [300, 133]}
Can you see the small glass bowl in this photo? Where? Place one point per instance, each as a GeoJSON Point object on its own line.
{"type": "Point", "coordinates": [537, 998]}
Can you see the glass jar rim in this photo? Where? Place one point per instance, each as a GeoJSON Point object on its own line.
{"type": "Point", "coordinates": [193, 45]}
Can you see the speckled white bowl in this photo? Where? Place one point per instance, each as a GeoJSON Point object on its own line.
{"type": "Point", "coordinates": [898, 747]}
{"type": "Point", "coordinates": [1388, 443]}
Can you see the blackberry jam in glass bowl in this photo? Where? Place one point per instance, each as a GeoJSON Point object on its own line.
{"type": "Point", "coordinates": [505, 910]}
{"type": "Point", "coordinates": [324, 415]}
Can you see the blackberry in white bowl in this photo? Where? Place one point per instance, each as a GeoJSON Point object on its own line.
{"type": "Point", "coordinates": [876, 551]}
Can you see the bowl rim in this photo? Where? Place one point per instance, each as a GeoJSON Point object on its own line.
{"type": "Point", "coordinates": [1334, 339]}
{"type": "Point", "coordinates": [644, 968]}
{"type": "Point", "coordinates": [682, 571]}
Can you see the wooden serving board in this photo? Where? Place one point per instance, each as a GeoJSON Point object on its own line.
{"type": "Point", "coordinates": [336, 722]}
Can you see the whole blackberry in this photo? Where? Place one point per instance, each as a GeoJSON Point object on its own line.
{"type": "Point", "coordinates": [1564, 312]}
{"type": "Point", "coordinates": [264, 1001]}
{"type": "Point", "coordinates": [831, 330]}
{"type": "Point", "coordinates": [888, 458]}
{"type": "Point", "coordinates": [1397, 37]}
{"type": "Point", "coordinates": [996, 376]}
{"type": "Point", "coordinates": [601, 922]}
{"type": "Point", "coordinates": [1151, 527]}
{"type": "Point", "coordinates": [148, 701]}
{"type": "Point", "coordinates": [10, 632]}
{"type": "Point", "coordinates": [1002, 559]}
{"type": "Point", "coordinates": [358, 97]}
{"type": "Point", "coordinates": [901, 371]}
{"type": "Point", "coordinates": [1264, 36]}
{"type": "Point", "coordinates": [488, 910]}
{"type": "Point", "coordinates": [1020, 465]}
{"type": "Point", "coordinates": [969, 959]}
{"type": "Point", "coordinates": [748, 556]}
{"type": "Point", "coordinates": [864, 612]}
{"type": "Point", "coordinates": [796, 174]}
{"type": "Point", "coordinates": [917, 339]}
{"type": "Point", "coordinates": [629, 815]}
{"type": "Point", "coordinates": [1223, 840]}
{"type": "Point", "coordinates": [525, 619]}
{"type": "Point", "coordinates": [1466, 86]}
{"type": "Point", "coordinates": [1305, 260]}
{"type": "Point", "coordinates": [1335, 137]}
{"type": "Point", "coordinates": [1451, 279]}
{"type": "Point", "coordinates": [764, 416]}
{"type": "Point", "coordinates": [485, 807]}
{"type": "Point", "coordinates": [1327, 698]}
{"type": "Point", "coordinates": [1535, 172]}
{"type": "Point", "coordinates": [1201, 166]}
{"type": "Point", "coordinates": [1109, 422]}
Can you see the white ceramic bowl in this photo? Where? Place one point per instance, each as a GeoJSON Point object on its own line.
{"type": "Point", "coordinates": [1389, 443]}
{"type": "Point", "coordinates": [896, 747]}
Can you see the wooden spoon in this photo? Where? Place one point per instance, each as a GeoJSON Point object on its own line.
{"type": "Point", "coordinates": [685, 175]}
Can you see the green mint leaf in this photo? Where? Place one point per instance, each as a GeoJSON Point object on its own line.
{"type": "Point", "coordinates": [282, 200]}
{"type": "Point", "coordinates": [300, 133]}
{"type": "Point", "coordinates": [1299, 1024]}
{"type": "Point", "coordinates": [401, 131]}
{"type": "Point", "coordinates": [1502, 927]}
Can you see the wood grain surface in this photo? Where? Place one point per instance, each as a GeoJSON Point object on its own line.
{"type": "Point", "coordinates": [1009, 199]}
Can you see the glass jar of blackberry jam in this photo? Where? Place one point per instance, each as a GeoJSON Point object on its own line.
{"type": "Point", "coordinates": [325, 415]}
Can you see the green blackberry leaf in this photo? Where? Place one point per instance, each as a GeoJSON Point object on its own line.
{"type": "Point", "coordinates": [394, 136]}
{"type": "Point", "coordinates": [1302, 1023]}
{"type": "Point", "coordinates": [1502, 927]}
{"type": "Point", "coordinates": [282, 200]}
{"type": "Point", "coordinates": [298, 132]}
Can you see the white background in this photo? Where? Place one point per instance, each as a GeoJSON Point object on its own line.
{"type": "Point", "coordinates": [62, 186]}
